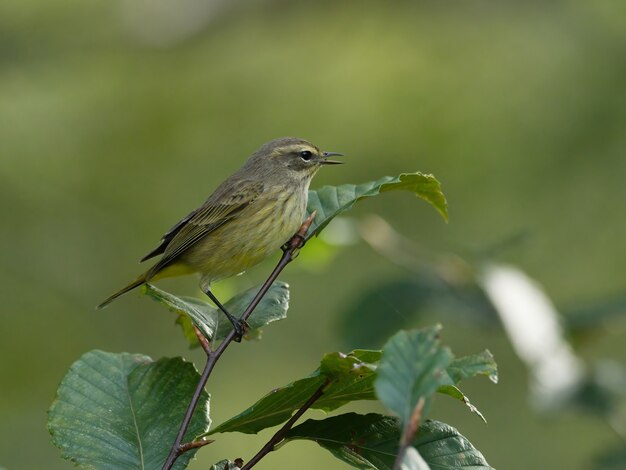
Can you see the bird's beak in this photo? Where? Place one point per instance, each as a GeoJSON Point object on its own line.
{"type": "Point", "coordinates": [326, 161]}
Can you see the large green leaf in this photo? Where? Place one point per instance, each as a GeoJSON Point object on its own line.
{"type": "Point", "coordinates": [122, 411]}
{"type": "Point", "coordinates": [371, 441]}
{"type": "Point", "coordinates": [349, 377]}
{"type": "Point", "coordinates": [330, 201]}
{"type": "Point", "coordinates": [212, 323]}
{"type": "Point", "coordinates": [413, 366]}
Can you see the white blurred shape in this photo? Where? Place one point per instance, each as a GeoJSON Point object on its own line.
{"type": "Point", "coordinates": [412, 460]}
{"type": "Point", "coordinates": [341, 231]}
{"type": "Point", "coordinates": [531, 322]}
{"type": "Point", "coordinates": [166, 22]}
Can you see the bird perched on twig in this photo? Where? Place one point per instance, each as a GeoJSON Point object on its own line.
{"type": "Point", "coordinates": [248, 217]}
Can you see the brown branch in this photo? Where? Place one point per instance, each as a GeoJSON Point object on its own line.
{"type": "Point", "coordinates": [204, 343]}
{"type": "Point", "coordinates": [280, 434]}
{"type": "Point", "coordinates": [290, 251]}
{"type": "Point", "coordinates": [410, 429]}
{"type": "Point", "coordinates": [195, 444]}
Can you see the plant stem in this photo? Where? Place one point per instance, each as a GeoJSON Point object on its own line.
{"type": "Point", "coordinates": [289, 251]}
{"type": "Point", "coordinates": [409, 432]}
{"type": "Point", "coordinates": [195, 445]}
{"type": "Point", "coordinates": [204, 343]}
{"type": "Point", "coordinates": [280, 434]}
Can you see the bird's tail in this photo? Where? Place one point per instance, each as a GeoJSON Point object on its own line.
{"type": "Point", "coordinates": [136, 283]}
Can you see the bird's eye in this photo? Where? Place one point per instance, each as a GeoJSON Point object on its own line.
{"type": "Point", "coordinates": [306, 155]}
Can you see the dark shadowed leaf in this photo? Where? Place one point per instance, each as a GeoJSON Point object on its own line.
{"type": "Point", "coordinates": [209, 319]}
{"type": "Point", "coordinates": [404, 300]}
{"type": "Point", "coordinates": [348, 377]}
{"type": "Point", "coordinates": [592, 315]}
{"type": "Point", "coordinates": [413, 366]}
{"type": "Point", "coordinates": [364, 322]}
{"type": "Point", "coordinates": [329, 201]}
{"type": "Point", "coordinates": [613, 458]}
{"type": "Point", "coordinates": [371, 441]}
{"type": "Point", "coordinates": [122, 411]}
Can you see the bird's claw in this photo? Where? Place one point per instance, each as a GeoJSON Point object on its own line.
{"type": "Point", "coordinates": [241, 327]}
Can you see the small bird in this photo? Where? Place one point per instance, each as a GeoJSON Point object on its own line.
{"type": "Point", "coordinates": [248, 217]}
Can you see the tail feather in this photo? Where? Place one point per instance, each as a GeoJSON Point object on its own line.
{"type": "Point", "coordinates": [136, 283]}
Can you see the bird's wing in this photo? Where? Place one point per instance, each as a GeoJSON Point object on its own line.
{"type": "Point", "coordinates": [204, 220]}
{"type": "Point", "coordinates": [168, 236]}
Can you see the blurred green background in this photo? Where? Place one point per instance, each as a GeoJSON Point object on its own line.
{"type": "Point", "coordinates": [118, 117]}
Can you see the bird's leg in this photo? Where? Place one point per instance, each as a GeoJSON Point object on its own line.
{"type": "Point", "coordinates": [240, 326]}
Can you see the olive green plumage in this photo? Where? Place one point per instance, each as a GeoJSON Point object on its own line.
{"type": "Point", "coordinates": [248, 217]}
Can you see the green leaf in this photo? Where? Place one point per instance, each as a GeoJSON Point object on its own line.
{"type": "Point", "coordinates": [273, 409]}
{"type": "Point", "coordinates": [465, 367]}
{"type": "Point", "coordinates": [273, 307]}
{"type": "Point", "coordinates": [115, 411]}
{"type": "Point", "coordinates": [221, 465]}
{"type": "Point", "coordinates": [190, 311]}
{"type": "Point", "coordinates": [363, 441]}
{"type": "Point", "coordinates": [213, 323]}
{"type": "Point", "coordinates": [455, 392]}
{"type": "Point", "coordinates": [348, 377]}
{"type": "Point", "coordinates": [371, 441]}
{"type": "Point", "coordinates": [330, 201]}
{"type": "Point", "coordinates": [225, 465]}
{"type": "Point", "coordinates": [443, 447]}
{"type": "Point", "coordinates": [413, 366]}
{"type": "Point", "coordinates": [351, 378]}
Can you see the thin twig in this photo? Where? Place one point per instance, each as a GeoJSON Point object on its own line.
{"type": "Point", "coordinates": [289, 251]}
{"type": "Point", "coordinates": [410, 429]}
{"type": "Point", "coordinates": [280, 434]}
{"type": "Point", "coordinates": [195, 444]}
{"type": "Point", "coordinates": [202, 340]}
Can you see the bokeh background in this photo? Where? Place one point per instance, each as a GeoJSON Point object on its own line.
{"type": "Point", "coordinates": [118, 117]}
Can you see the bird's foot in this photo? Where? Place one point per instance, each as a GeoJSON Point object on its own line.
{"type": "Point", "coordinates": [241, 327]}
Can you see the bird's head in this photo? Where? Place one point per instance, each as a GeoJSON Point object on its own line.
{"type": "Point", "coordinates": [294, 155]}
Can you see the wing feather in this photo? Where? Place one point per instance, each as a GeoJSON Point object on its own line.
{"type": "Point", "coordinates": [204, 220]}
{"type": "Point", "coordinates": [168, 236]}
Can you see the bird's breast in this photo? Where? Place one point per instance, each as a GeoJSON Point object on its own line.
{"type": "Point", "coordinates": [254, 234]}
